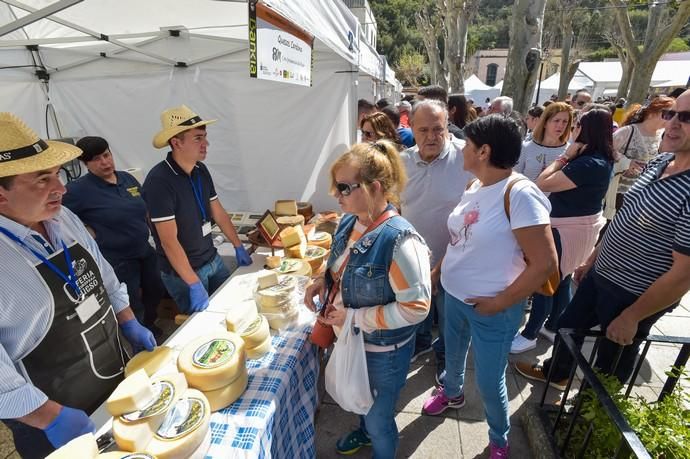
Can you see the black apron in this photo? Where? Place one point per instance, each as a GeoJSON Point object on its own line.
{"type": "Point", "coordinates": [77, 364]}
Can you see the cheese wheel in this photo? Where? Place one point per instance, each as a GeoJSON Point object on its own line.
{"type": "Point", "coordinates": [184, 428]}
{"type": "Point", "coordinates": [256, 333]}
{"type": "Point", "coordinates": [294, 266]}
{"type": "Point", "coordinates": [262, 349]}
{"type": "Point", "coordinates": [290, 220]}
{"type": "Point", "coordinates": [292, 235]}
{"type": "Point", "coordinates": [297, 251]}
{"type": "Point", "coordinates": [286, 207]}
{"type": "Point", "coordinates": [271, 297]}
{"type": "Point", "coordinates": [305, 209]}
{"type": "Point", "coordinates": [273, 261]}
{"type": "Point", "coordinates": [321, 239]}
{"type": "Point", "coordinates": [225, 396]}
{"type": "Point", "coordinates": [151, 361]}
{"type": "Point", "coordinates": [136, 435]}
{"type": "Point", "coordinates": [240, 316]}
{"type": "Point", "coordinates": [213, 360]}
{"type": "Point", "coordinates": [200, 452]}
{"type": "Point", "coordinates": [282, 321]}
{"type": "Point", "coordinates": [83, 446]}
{"type": "Point", "coordinates": [315, 256]}
{"type": "Point", "coordinates": [132, 394]}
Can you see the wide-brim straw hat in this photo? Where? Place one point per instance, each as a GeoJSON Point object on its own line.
{"type": "Point", "coordinates": [22, 151]}
{"type": "Point", "coordinates": [176, 120]}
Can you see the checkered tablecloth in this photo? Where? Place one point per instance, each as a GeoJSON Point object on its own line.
{"type": "Point", "coordinates": [275, 415]}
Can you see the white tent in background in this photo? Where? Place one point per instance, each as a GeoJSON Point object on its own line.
{"type": "Point", "coordinates": [477, 90]}
{"type": "Point", "coordinates": [498, 85]}
{"type": "Point", "coordinates": [115, 65]}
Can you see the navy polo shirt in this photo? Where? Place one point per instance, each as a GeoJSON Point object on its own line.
{"type": "Point", "coordinates": [116, 212]}
{"type": "Point", "coordinates": [169, 196]}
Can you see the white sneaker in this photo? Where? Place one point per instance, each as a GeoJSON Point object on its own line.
{"type": "Point", "coordinates": [548, 334]}
{"type": "Point", "coordinates": [522, 344]}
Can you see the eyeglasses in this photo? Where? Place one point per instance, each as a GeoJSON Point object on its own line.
{"type": "Point", "coordinates": [683, 117]}
{"type": "Point", "coordinates": [368, 134]}
{"type": "Point", "coordinates": [347, 188]}
{"type": "Point", "coordinates": [580, 103]}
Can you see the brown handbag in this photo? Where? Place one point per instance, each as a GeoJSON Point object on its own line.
{"type": "Point", "coordinates": [321, 334]}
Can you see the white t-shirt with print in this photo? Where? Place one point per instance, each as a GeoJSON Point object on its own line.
{"type": "Point", "coordinates": [483, 256]}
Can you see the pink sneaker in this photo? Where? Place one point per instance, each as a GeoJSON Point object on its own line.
{"type": "Point", "coordinates": [438, 402]}
{"type": "Point", "coordinates": [496, 452]}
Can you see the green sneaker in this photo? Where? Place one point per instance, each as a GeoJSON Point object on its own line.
{"type": "Point", "coordinates": [352, 442]}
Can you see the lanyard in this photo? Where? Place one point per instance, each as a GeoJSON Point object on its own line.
{"type": "Point", "coordinates": [197, 189]}
{"type": "Point", "coordinates": [69, 279]}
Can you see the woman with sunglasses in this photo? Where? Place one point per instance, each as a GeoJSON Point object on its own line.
{"type": "Point", "coordinates": [634, 144]}
{"type": "Point", "coordinates": [500, 251]}
{"type": "Point", "coordinates": [577, 181]}
{"type": "Point", "coordinates": [378, 126]}
{"type": "Point", "coordinates": [549, 140]}
{"type": "Point", "coordinates": [378, 267]}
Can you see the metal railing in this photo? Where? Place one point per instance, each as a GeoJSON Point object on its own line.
{"type": "Point", "coordinates": [630, 443]}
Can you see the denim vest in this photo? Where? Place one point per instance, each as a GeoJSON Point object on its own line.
{"type": "Point", "coordinates": [365, 278]}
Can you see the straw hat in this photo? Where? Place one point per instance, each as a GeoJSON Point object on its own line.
{"type": "Point", "coordinates": [22, 151]}
{"type": "Point", "coordinates": [176, 120]}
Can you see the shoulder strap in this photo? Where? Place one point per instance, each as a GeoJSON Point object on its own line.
{"type": "Point", "coordinates": [632, 132]}
{"type": "Point", "coordinates": [506, 195]}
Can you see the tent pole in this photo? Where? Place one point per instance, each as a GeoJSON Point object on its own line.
{"type": "Point", "coordinates": [37, 15]}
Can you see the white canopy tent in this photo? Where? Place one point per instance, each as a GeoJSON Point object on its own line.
{"type": "Point", "coordinates": [478, 91]}
{"type": "Point", "coordinates": [115, 65]}
{"type": "Point", "coordinates": [376, 78]}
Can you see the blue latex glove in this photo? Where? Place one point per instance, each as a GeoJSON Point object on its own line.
{"type": "Point", "coordinates": [138, 336]}
{"type": "Point", "coordinates": [243, 258]}
{"type": "Point", "coordinates": [68, 425]}
{"type": "Point", "coordinates": [198, 297]}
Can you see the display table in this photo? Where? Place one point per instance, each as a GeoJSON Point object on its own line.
{"type": "Point", "coordinates": [274, 417]}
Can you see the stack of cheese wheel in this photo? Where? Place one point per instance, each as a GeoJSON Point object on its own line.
{"type": "Point", "coordinates": [321, 239]}
{"type": "Point", "coordinates": [243, 318]}
{"type": "Point", "coordinates": [316, 257]}
{"type": "Point", "coordinates": [294, 266]}
{"type": "Point", "coordinates": [215, 364]}
{"type": "Point", "coordinates": [160, 416]}
{"type": "Point", "coordinates": [275, 297]}
{"type": "Point", "coordinates": [294, 241]}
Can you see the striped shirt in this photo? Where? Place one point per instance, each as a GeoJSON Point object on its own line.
{"type": "Point", "coordinates": [410, 279]}
{"type": "Point", "coordinates": [27, 305]}
{"type": "Point", "coordinates": [653, 222]}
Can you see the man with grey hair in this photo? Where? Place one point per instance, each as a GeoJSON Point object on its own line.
{"type": "Point", "coordinates": [501, 104]}
{"type": "Point", "coordinates": [436, 182]}
{"type": "Point", "coordinates": [580, 99]}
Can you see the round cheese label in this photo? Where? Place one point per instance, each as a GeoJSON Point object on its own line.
{"type": "Point", "coordinates": [186, 416]}
{"type": "Point", "coordinates": [213, 353]}
{"type": "Point", "coordinates": [287, 266]}
{"type": "Point", "coordinates": [314, 252]}
{"type": "Point", "coordinates": [163, 396]}
{"type": "Point", "coordinates": [254, 326]}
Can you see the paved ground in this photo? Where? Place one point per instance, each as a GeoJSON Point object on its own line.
{"type": "Point", "coordinates": [463, 433]}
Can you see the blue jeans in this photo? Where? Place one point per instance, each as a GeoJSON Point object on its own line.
{"type": "Point", "coordinates": [387, 376]}
{"type": "Point", "coordinates": [548, 307]}
{"type": "Point", "coordinates": [212, 275]}
{"type": "Point", "coordinates": [491, 337]}
{"type": "Point", "coordinates": [423, 339]}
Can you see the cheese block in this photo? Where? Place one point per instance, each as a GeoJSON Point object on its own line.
{"type": "Point", "coordinates": [84, 446]}
{"type": "Point", "coordinates": [151, 361]}
{"type": "Point", "coordinates": [286, 207]}
{"type": "Point", "coordinates": [315, 256]}
{"type": "Point", "coordinates": [256, 333]}
{"type": "Point", "coordinates": [184, 428]}
{"type": "Point", "coordinates": [292, 235]}
{"type": "Point", "coordinates": [294, 266]}
{"type": "Point", "coordinates": [267, 279]}
{"type": "Point", "coordinates": [297, 251]}
{"type": "Point", "coordinates": [282, 321]}
{"type": "Point", "coordinates": [240, 316]}
{"type": "Point", "coordinates": [287, 221]}
{"type": "Point", "coordinates": [225, 396]}
{"type": "Point", "coordinates": [273, 261]}
{"type": "Point", "coordinates": [277, 294]}
{"type": "Point", "coordinates": [132, 394]}
{"type": "Point", "coordinates": [211, 361]}
{"type": "Point", "coordinates": [262, 349]}
{"type": "Point", "coordinates": [321, 239]}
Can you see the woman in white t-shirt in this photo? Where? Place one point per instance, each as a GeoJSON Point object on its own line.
{"type": "Point", "coordinates": [549, 140]}
{"type": "Point", "coordinates": [497, 256]}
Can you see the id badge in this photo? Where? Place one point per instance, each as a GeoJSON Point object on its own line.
{"type": "Point", "coordinates": [88, 308]}
{"type": "Point", "coordinates": [206, 229]}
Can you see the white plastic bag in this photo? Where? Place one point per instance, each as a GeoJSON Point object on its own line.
{"type": "Point", "coordinates": [347, 378]}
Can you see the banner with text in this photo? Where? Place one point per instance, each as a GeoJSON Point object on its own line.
{"type": "Point", "coordinates": [278, 49]}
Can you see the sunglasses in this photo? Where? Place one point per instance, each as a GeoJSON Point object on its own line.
{"type": "Point", "coordinates": [347, 188]}
{"type": "Point", "coordinates": [368, 134]}
{"type": "Point", "coordinates": [683, 117]}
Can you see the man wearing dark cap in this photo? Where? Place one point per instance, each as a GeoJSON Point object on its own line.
{"type": "Point", "coordinates": [109, 203]}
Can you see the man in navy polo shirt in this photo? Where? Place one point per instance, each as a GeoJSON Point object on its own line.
{"type": "Point", "coordinates": [183, 204]}
{"type": "Point", "coordinates": [109, 203]}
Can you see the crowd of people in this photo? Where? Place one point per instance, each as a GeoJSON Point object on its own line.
{"type": "Point", "coordinates": [502, 205]}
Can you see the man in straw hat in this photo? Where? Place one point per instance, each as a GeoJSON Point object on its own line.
{"type": "Point", "coordinates": [60, 354]}
{"type": "Point", "coordinates": [182, 202]}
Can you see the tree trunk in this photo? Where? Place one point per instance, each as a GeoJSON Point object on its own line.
{"type": "Point", "coordinates": [628, 67]}
{"type": "Point", "coordinates": [525, 34]}
{"type": "Point", "coordinates": [429, 34]}
{"type": "Point", "coordinates": [459, 14]}
{"type": "Point", "coordinates": [566, 44]}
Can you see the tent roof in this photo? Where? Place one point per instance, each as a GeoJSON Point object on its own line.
{"type": "Point", "coordinates": [473, 83]}
{"type": "Point", "coordinates": [579, 81]}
